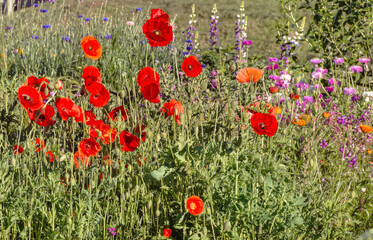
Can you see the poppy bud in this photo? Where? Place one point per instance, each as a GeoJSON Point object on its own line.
{"type": "Point", "coordinates": [158, 137]}
{"type": "Point", "coordinates": [59, 84]}
{"type": "Point", "coordinates": [196, 131]}
{"type": "Point", "coordinates": [204, 231]}
{"type": "Point", "coordinates": [119, 100]}
{"type": "Point", "coordinates": [150, 204]}
{"type": "Point", "coordinates": [227, 226]}
{"type": "Point", "coordinates": [157, 213]}
{"type": "Point", "coordinates": [149, 133]}
{"type": "Point", "coordinates": [164, 135]}
{"type": "Point", "coordinates": [122, 94]}
{"type": "Point", "coordinates": [220, 137]}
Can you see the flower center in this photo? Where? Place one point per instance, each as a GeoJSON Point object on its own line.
{"type": "Point", "coordinates": [190, 67]}
{"type": "Point", "coordinates": [96, 96]}
{"type": "Point", "coordinates": [157, 32]}
{"type": "Point", "coordinates": [27, 97]}
{"type": "Point", "coordinates": [87, 147]}
{"type": "Point", "coordinates": [193, 206]}
{"type": "Point", "coordinates": [90, 48]}
{"type": "Point", "coordinates": [262, 125]}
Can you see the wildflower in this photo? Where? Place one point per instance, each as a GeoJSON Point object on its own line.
{"type": "Point", "coordinates": [59, 84]}
{"type": "Point", "coordinates": [17, 149]}
{"type": "Point", "coordinates": [101, 98]}
{"type": "Point", "coordinates": [130, 23]}
{"type": "Point", "coordinates": [112, 231]}
{"type": "Point", "coordinates": [316, 60]}
{"type": "Point", "coordinates": [108, 36]}
{"type": "Point", "coordinates": [302, 120]}
{"type": "Point", "coordinates": [191, 66]}
{"type": "Point", "coordinates": [167, 232]}
{"type": "Point", "coordinates": [173, 108]}
{"type": "Point", "coordinates": [326, 115]}
{"type": "Point", "coordinates": [355, 98]}
{"type": "Point", "coordinates": [84, 160]}
{"type": "Point", "coordinates": [369, 151]}
{"type": "Point", "coordinates": [285, 76]}
{"type": "Point", "coordinates": [47, 26]}
{"type": "Point", "coordinates": [157, 29]}
{"type": "Point", "coordinates": [249, 75]}
{"type": "Point", "coordinates": [80, 16]}
{"type": "Point", "coordinates": [356, 69]}
{"type": "Point", "coordinates": [368, 95]}
{"type": "Point", "coordinates": [273, 59]}
{"type": "Point", "coordinates": [66, 39]}
{"type": "Point", "coordinates": [363, 189]}
{"type": "Point", "coordinates": [323, 144]}
{"type": "Point", "coordinates": [49, 156]}
{"type": "Point", "coordinates": [366, 129]}
{"type": "Point", "coordinates": [108, 133]}
{"type": "Point", "coordinates": [264, 124]}
{"type": "Point", "coordinates": [247, 42]}
{"type": "Point", "coordinates": [67, 108]}
{"type": "Point", "coordinates": [329, 89]}
{"type": "Point", "coordinates": [8, 28]}
{"type": "Point", "coordinates": [147, 75]}
{"type": "Point", "coordinates": [338, 61]}
{"type": "Point", "coordinates": [87, 19]}
{"type": "Point", "coordinates": [348, 91]}
{"type": "Point", "coordinates": [293, 96]}
{"type": "Point", "coordinates": [194, 205]}
{"type": "Point", "coordinates": [308, 99]}
{"type": "Point", "coordinates": [277, 110]}
{"type": "Point", "coordinates": [91, 47]}
{"type": "Point", "coordinates": [128, 141]}
{"type": "Point", "coordinates": [273, 89]}
{"type": "Point", "coordinates": [138, 9]}
{"type": "Point", "coordinates": [41, 84]}
{"type": "Point", "coordinates": [352, 162]}
{"type": "Point", "coordinates": [36, 5]}
{"type": "Point", "coordinates": [34, 37]}
{"type": "Point", "coordinates": [89, 147]}
{"type": "Point", "coordinates": [42, 116]}
{"type": "Point", "coordinates": [115, 112]}
{"type": "Point", "coordinates": [29, 98]}
{"type": "Point", "coordinates": [322, 161]}
{"type": "Point", "coordinates": [92, 79]}
{"type": "Point", "coordinates": [43, 10]}
{"type": "Point", "coordinates": [39, 145]}
{"type": "Point", "coordinates": [364, 60]}
{"type": "Point", "coordinates": [105, 19]}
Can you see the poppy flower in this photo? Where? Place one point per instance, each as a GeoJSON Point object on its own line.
{"type": "Point", "coordinates": [92, 79]}
{"type": "Point", "coordinates": [369, 151]}
{"type": "Point", "coordinates": [273, 89]}
{"type": "Point", "coordinates": [143, 134]}
{"type": "Point", "coordinates": [115, 112]}
{"type": "Point", "coordinates": [173, 108]}
{"type": "Point", "coordinates": [128, 141]}
{"type": "Point", "coordinates": [255, 107]}
{"type": "Point", "coordinates": [326, 115]}
{"type": "Point", "coordinates": [158, 31]}
{"type": "Point", "coordinates": [249, 75]}
{"type": "Point", "coordinates": [277, 110]}
{"type": "Point", "coordinates": [59, 84]}
{"type": "Point", "coordinates": [100, 99]}
{"type": "Point", "coordinates": [41, 84]}
{"type": "Point", "coordinates": [89, 118]}
{"type": "Point", "coordinates": [294, 96]}
{"type": "Point", "coordinates": [49, 156]}
{"type": "Point", "coordinates": [147, 75]}
{"type": "Point", "coordinates": [264, 124]}
{"type": "Point", "coordinates": [17, 149]}
{"type": "Point", "coordinates": [302, 120]}
{"type": "Point", "coordinates": [91, 47]}
{"type": "Point", "coordinates": [79, 158]}
{"type": "Point", "coordinates": [151, 92]}
{"type": "Point", "coordinates": [42, 116]}
{"type": "Point", "coordinates": [39, 145]}
{"type": "Point", "coordinates": [191, 66]}
{"type": "Point", "coordinates": [366, 129]}
{"type": "Point", "coordinates": [89, 147]}
{"type": "Point", "coordinates": [67, 108]}
{"type": "Point", "coordinates": [29, 98]}
{"type": "Point", "coordinates": [108, 134]}
{"type": "Point", "coordinates": [167, 233]}
{"type": "Point", "coordinates": [194, 205]}
{"type": "Point", "coordinates": [154, 13]}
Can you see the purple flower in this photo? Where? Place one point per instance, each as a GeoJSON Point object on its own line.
{"type": "Point", "coordinates": [317, 86]}
{"type": "Point", "coordinates": [274, 77]}
{"type": "Point", "coordinates": [112, 231]}
{"type": "Point", "coordinates": [108, 36]}
{"type": "Point", "coordinates": [355, 98]}
{"type": "Point", "coordinates": [47, 26]}
{"type": "Point", "coordinates": [339, 61]}
{"type": "Point", "coordinates": [80, 16]}
{"type": "Point", "coordinates": [247, 43]}
{"type": "Point", "coordinates": [66, 39]}
{"type": "Point", "coordinates": [34, 37]}
{"type": "Point", "coordinates": [138, 9]}
{"type": "Point", "coordinates": [332, 81]}
{"type": "Point", "coordinates": [364, 60]}
{"type": "Point", "coordinates": [349, 91]}
{"type": "Point", "coordinates": [43, 10]}
{"type": "Point", "coordinates": [273, 59]}
{"type": "Point", "coordinates": [214, 83]}
{"type": "Point", "coordinates": [8, 28]}
{"type": "Point", "coordinates": [308, 99]}
{"type": "Point", "coordinates": [352, 162]}
{"type": "Point", "coordinates": [302, 85]}
{"type": "Point", "coordinates": [36, 5]}
{"type": "Point", "coordinates": [329, 89]}
{"type": "Point", "coordinates": [87, 19]}
{"type": "Point", "coordinates": [105, 19]}
{"type": "Point", "coordinates": [316, 60]}
{"type": "Point", "coordinates": [356, 69]}
{"type": "Point", "coordinates": [323, 144]}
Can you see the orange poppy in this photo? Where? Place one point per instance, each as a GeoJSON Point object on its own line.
{"type": "Point", "coordinates": [273, 89]}
{"type": "Point", "coordinates": [322, 161]}
{"type": "Point", "coordinates": [302, 120]}
{"type": "Point", "coordinates": [326, 114]}
{"type": "Point", "coordinates": [249, 75]}
{"type": "Point", "coordinates": [369, 151]}
{"type": "Point", "coordinates": [277, 110]}
{"type": "Point", "coordinates": [366, 128]}
{"type": "Point", "coordinates": [195, 205]}
{"type": "Point", "coordinates": [91, 47]}
{"type": "Point", "coordinates": [83, 159]}
{"type": "Point", "coordinates": [49, 156]}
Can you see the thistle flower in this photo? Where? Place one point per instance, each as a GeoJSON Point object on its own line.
{"type": "Point", "coordinates": [349, 91]}
{"type": "Point", "coordinates": [356, 69]}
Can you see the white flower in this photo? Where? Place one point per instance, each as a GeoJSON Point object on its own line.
{"type": "Point", "coordinates": [368, 95]}
{"type": "Point", "coordinates": [363, 189]}
{"type": "Point", "coordinates": [286, 77]}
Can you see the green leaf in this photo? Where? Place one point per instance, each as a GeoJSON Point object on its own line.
{"type": "Point", "coordinates": [161, 172]}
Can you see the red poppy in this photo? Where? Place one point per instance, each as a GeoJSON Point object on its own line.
{"type": "Point", "coordinates": [40, 84]}
{"type": "Point", "coordinates": [84, 160]}
{"type": "Point", "coordinates": [92, 79]}
{"type": "Point", "coordinates": [100, 99]}
{"type": "Point", "coordinates": [151, 92]}
{"type": "Point", "coordinates": [108, 134]}
{"type": "Point", "coordinates": [43, 116]}
{"type": "Point", "coordinates": [191, 66]}
{"type": "Point", "coordinates": [249, 75]}
{"type": "Point", "coordinates": [91, 47]}
{"type": "Point", "coordinates": [137, 132]}
{"type": "Point", "coordinates": [29, 98]}
{"type": "Point", "coordinates": [89, 147]}
{"type": "Point", "coordinates": [264, 124]}
{"type": "Point", "coordinates": [59, 85]}
{"type": "Point", "coordinates": [92, 132]}
{"type": "Point", "coordinates": [273, 89]}
{"type": "Point", "coordinates": [158, 30]}
{"type": "Point", "coordinates": [195, 205]}
{"type": "Point", "coordinates": [128, 141]}
{"type": "Point", "coordinates": [167, 233]}
{"type": "Point", "coordinates": [115, 112]}
{"type": "Point", "coordinates": [147, 75]}
{"type": "Point", "coordinates": [39, 145]}
{"type": "Point", "coordinates": [173, 108]}
{"type": "Point", "coordinates": [293, 96]}
{"type": "Point", "coordinates": [89, 118]}
{"type": "Point", "coordinates": [49, 156]}
{"type": "Point", "coordinates": [67, 108]}
{"type": "Point", "coordinates": [17, 149]}
{"type": "Point", "coordinates": [154, 13]}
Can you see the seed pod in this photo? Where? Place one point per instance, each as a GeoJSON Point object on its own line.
{"type": "Point", "coordinates": [119, 100]}
{"type": "Point", "coordinates": [157, 213]}
{"type": "Point", "coordinates": [204, 231]}
{"type": "Point", "coordinates": [122, 94]}
{"type": "Point", "coordinates": [150, 204]}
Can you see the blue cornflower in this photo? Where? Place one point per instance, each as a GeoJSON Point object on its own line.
{"type": "Point", "coordinates": [203, 65]}
{"type": "Point", "coordinates": [36, 5]}
{"type": "Point", "coordinates": [8, 28]}
{"type": "Point", "coordinates": [87, 19]}
{"type": "Point", "coordinates": [66, 38]}
{"type": "Point", "coordinates": [188, 41]}
{"type": "Point", "coordinates": [108, 36]}
{"type": "Point", "coordinates": [105, 19]}
{"type": "Point", "coordinates": [43, 10]}
{"type": "Point", "coordinates": [189, 48]}
{"type": "Point", "coordinates": [47, 26]}
{"type": "Point", "coordinates": [34, 37]}
{"type": "Point", "coordinates": [185, 53]}
{"type": "Point", "coordinates": [138, 9]}
{"type": "Point", "coordinates": [142, 42]}
{"type": "Point", "coordinates": [80, 16]}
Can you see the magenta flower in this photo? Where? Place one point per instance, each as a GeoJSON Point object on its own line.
{"type": "Point", "coordinates": [364, 60]}
{"type": "Point", "coordinates": [339, 61]}
{"type": "Point", "coordinates": [316, 60]}
{"type": "Point", "coordinates": [348, 91]}
{"type": "Point", "coordinates": [356, 69]}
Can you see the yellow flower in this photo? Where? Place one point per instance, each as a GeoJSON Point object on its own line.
{"type": "Point", "coordinates": [63, 50]}
{"type": "Point", "coordinates": [278, 110]}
